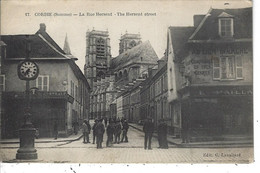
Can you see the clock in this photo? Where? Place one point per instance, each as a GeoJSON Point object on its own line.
{"type": "Point", "coordinates": [28, 70]}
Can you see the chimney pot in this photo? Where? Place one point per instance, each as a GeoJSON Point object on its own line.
{"type": "Point", "coordinates": [42, 27]}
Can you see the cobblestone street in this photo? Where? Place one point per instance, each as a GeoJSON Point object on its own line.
{"type": "Point", "coordinates": [131, 152]}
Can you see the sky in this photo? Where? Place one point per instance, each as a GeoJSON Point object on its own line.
{"type": "Point", "coordinates": [152, 28]}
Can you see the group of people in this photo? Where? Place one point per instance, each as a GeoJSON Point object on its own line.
{"type": "Point", "coordinates": [148, 129]}
{"type": "Point", "coordinates": [113, 131]}
{"type": "Point", "coordinates": [116, 127]}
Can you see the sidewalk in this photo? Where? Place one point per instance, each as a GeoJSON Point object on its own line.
{"type": "Point", "coordinates": [205, 144]}
{"type": "Point", "coordinates": [71, 138]}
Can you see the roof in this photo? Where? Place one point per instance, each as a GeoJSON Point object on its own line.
{"type": "Point", "coordinates": [179, 38]}
{"type": "Point", "coordinates": [143, 53]}
{"type": "Point", "coordinates": [40, 47]}
{"type": "Point", "coordinates": [208, 28]}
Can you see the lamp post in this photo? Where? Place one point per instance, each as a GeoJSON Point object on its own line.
{"type": "Point", "coordinates": [27, 70]}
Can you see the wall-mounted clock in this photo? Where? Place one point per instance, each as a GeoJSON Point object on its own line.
{"type": "Point", "coordinates": [28, 70]}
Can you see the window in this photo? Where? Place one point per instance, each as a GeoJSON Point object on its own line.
{"type": "Point", "coordinates": [2, 83]}
{"type": "Point", "coordinates": [227, 67]}
{"type": "Point", "coordinates": [226, 27]}
{"type": "Point", "coordinates": [42, 82]}
{"type": "Point", "coordinates": [72, 88]}
{"type": "Point", "coordinates": [100, 49]}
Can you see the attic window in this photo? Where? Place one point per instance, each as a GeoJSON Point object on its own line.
{"type": "Point", "coordinates": [226, 28]}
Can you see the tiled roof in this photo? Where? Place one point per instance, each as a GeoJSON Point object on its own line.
{"type": "Point", "coordinates": [179, 38]}
{"type": "Point", "coordinates": [208, 28]}
{"type": "Point", "coordinates": [143, 52]}
{"type": "Point", "coordinates": [16, 47]}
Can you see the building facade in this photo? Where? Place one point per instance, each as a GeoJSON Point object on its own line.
{"type": "Point", "coordinates": [211, 72]}
{"type": "Point", "coordinates": [63, 91]}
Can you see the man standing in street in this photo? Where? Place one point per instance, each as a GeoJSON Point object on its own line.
{"type": "Point", "coordinates": [117, 131]}
{"type": "Point", "coordinates": [85, 131]}
{"type": "Point", "coordinates": [94, 130]}
{"type": "Point", "coordinates": [110, 132]}
{"type": "Point", "coordinates": [100, 129]}
{"type": "Point", "coordinates": [125, 129]}
{"type": "Point", "coordinates": [162, 134]}
{"type": "Point", "coordinates": [148, 129]}
{"type": "Point", "coordinates": [55, 129]}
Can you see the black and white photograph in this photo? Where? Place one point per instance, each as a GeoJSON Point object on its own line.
{"type": "Point", "coordinates": [126, 82]}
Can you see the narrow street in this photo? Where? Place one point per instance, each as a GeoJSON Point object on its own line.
{"type": "Point", "coordinates": [131, 152]}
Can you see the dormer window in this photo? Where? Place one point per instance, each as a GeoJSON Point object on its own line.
{"type": "Point", "coordinates": [226, 28]}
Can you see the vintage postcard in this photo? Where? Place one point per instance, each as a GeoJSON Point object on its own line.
{"type": "Point", "coordinates": [126, 81]}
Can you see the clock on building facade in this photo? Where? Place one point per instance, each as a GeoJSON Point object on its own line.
{"type": "Point", "coordinates": [28, 70]}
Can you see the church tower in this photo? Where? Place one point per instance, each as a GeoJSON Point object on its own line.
{"type": "Point", "coordinates": [127, 41]}
{"type": "Point", "coordinates": [98, 55]}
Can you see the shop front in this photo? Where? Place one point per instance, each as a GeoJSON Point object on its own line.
{"type": "Point", "coordinates": [218, 112]}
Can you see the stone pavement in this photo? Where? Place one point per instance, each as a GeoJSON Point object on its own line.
{"type": "Point", "coordinates": [131, 152]}
{"type": "Point", "coordinates": [205, 144]}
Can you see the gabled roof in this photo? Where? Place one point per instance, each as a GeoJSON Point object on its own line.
{"type": "Point", "coordinates": [179, 38]}
{"type": "Point", "coordinates": [142, 53]}
{"type": "Point", "coordinates": [208, 28]}
{"type": "Point", "coordinates": [40, 48]}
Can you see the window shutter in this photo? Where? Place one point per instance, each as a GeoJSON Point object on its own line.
{"type": "Point", "coordinates": [216, 68]}
{"type": "Point", "coordinates": [239, 67]}
{"type": "Point", "coordinates": [2, 83]}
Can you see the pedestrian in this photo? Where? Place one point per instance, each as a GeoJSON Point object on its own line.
{"type": "Point", "coordinates": [125, 130]}
{"type": "Point", "coordinates": [162, 134]}
{"type": "Point", "coordinates": [148, 129]}
{"type": "Point", "coordinates": [185, 130]}
{"type": "Point", "coordinates": [105, 120]}
{"type": "Point", "coordinates": [55, 129]}
{"type": "Point", "coordinates": [117, 131]}
{"type": "Point", "coordinates": [75, 126]}
{"type": "Point", "coordinates": [110, 132]}
{"type": "Point", "coordinates": [94, 130]}
{"type": "Point", "coordinates": [100, 129]}
{"type": "Point", "coordinates": [85, 131]}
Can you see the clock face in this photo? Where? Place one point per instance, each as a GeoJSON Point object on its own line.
{"type": "Point", "coordinates": [28, 70]}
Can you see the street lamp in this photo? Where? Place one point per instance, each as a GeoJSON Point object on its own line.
{"type": "Point", "coordinates": [27, 70]}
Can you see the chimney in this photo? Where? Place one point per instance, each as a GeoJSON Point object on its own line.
{"type": "Point", "coordinates": [42, 27]}
{"type": "Point", "coordinates": [161, 63]}
{"type": "Point", "coordinates": [197, 19]}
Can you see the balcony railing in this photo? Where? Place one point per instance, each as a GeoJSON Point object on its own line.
{"type": "Point", "coordinates": [41, 95]}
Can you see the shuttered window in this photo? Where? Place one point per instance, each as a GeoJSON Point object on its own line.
{"type": "Point", "coordinates": [227, 67]}
{"type": "Point", "coordinates": [2, 83]}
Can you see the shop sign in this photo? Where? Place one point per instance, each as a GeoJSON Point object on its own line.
{"type": "Point", "coordinates": [233, 91]}
{"type": "Point", "coordinates": [230, 51]}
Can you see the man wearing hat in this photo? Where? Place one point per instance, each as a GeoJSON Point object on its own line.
{"type": "Point", "coordinates": [148, 129]}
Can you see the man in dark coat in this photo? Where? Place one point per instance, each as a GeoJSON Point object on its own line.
{"type": "Point", "coordinates": [110, 133]}
{"type": "Point", "coordinates": [99, 130]}
{"type": "Point", "coordinates": [85, 131]}
{"type": "Point", "coordinates": [55, 129]}
{"type": "Point", "coordinates": [162, 134]}
{"type": "Point", "coordinates": [125, 130]}
{"type": "Point", "coordinates": [148, 129]}
{"type": "Point", "coordinates": [94, 130]}
{"type": "Point", "coordinates": [117, 131]}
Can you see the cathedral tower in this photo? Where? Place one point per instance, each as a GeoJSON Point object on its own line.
{"type": "Point", "coordinates": [98, 55]}
{"type": "Point", "coordinates": [127, 41]}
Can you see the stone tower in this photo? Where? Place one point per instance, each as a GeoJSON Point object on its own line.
{"type": "Point", "coordinates": [127, 41]}
{"type": "Point", "coordinates": [98, 55]}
